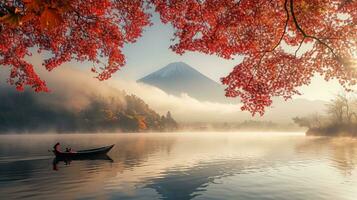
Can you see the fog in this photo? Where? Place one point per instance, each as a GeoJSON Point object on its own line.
{"type": "Point", "coordinates": [74, 87]}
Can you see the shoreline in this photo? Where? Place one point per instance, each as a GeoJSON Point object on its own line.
{"type": "Point", "coordinates": [333, 131]}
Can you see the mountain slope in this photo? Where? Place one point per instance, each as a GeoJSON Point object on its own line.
{"type": "Point", "coordinates": [177, 78]}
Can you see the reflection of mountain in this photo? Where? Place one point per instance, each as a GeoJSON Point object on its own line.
{"type": "Point", "coordinates": [177, 78]}
{"type": "Point", "coordinates": [187, 184]}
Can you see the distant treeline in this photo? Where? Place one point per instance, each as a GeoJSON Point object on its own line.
{"type": "Point", "coordinates": [29, 112]}
{"type": "Point", "coordinates": [340, 119]}
{"type": "Point", "coordinates": [248, 125]}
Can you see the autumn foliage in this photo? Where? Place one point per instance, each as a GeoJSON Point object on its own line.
{"type": "Point", "coordinates": [82, 30]}
{"type": "Point", "coordinates": [284, 42]}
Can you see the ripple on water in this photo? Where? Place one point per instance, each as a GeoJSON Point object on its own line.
{"type": "Point", "coordinates": [181, 166]}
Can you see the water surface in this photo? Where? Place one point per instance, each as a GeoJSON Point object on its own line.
{"type": "Point", "coordinates": [181, 166]}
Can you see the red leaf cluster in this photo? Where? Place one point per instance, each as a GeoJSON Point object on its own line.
{"type": "Point", "coordinates": [82, 30]}
{"type": "Point", "coordinates": [284, 42]}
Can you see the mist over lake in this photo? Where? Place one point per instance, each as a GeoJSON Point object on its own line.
{"type": "Point", "coordinates": [214, 165]}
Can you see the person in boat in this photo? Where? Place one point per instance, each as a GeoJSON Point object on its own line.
{"type": "Point", "coordinates": [68, 149]}
{"type": "Point", "coordinates": [57, 147]}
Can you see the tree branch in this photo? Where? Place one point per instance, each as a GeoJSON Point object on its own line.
{"type": "Point", "coordinates": [285, 26]}
{"type": "Point", "coordinates": [302, 41]}
{"type": "Point", "coordinates": [305, 34]}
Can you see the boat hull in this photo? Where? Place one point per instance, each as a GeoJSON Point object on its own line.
{"type": "Point", "coordinates": [84, 153]}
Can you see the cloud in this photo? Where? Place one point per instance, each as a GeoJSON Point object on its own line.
{"type": "Point", "coordinates": [76, 87]}
{"type": "Point", "coordinates": [70, 88]}
{"type": "Point", "coordinates": [184, 107]}
{"type": "Point", "coordinates": [189, 109]}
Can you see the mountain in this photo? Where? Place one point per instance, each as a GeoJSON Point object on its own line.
{"type": "Point", "coordinates": [177, 78]}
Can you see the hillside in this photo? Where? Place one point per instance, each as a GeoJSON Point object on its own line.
{"type": "Point", "coordinates": [29, 112]}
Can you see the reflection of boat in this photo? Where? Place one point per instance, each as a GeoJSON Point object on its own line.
{"type": "Point", "coordinates": [68, 160]}
{"type": "Point", "coordinates": [97, 157]}
{"type": "Point", "coordinates": [83, 154]}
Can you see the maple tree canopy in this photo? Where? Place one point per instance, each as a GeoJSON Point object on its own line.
{"type": "Point", "coordinates": [284, 42]}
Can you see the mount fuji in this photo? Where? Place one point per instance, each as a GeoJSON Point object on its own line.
{"type": "Point", "coordinates": [177, 78]}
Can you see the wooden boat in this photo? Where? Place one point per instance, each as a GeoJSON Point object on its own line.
{"type": "Point", "coordinates": [83, 153]}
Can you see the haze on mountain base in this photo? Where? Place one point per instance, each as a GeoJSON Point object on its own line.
{"type": "Point", "coordinates": [188, 109]}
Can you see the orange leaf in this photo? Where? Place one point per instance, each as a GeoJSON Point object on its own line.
{"type": "Point", "coordinates": [50, 18]}
{"type": "Point", "coordinates": [62, 6]}
{"type": "Point", "coordinates": [27, 17]}
{"type": "Point", "coordinates": [12, 19]}
{"type": "Point", "coordinates": [33, 5]}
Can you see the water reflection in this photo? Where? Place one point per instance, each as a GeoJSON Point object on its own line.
{"type": "Point", "coordinates": [341, 152]}
{"type": "Point", "coordinates": [67, 161]}
{"type": "Point", "coordinates": [24, 167]}
{"type": "Point", "coordinates": [188, 183]}
{"type": "Point", "coordinates": [181, 166]}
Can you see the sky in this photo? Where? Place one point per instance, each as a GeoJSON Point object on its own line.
{"type": "Point", "coordinates": [152, 52]}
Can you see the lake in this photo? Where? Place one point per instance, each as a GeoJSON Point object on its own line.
{"type": "Point", "coordinates": [182, 166]}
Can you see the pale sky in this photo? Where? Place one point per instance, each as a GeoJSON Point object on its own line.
{"type": "Point", "coordinates": [152, 52]}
